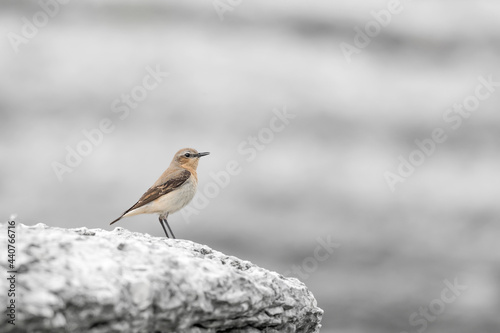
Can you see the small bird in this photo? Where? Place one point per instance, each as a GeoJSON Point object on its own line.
{"type": "Point", "coordinates": [174, 189]}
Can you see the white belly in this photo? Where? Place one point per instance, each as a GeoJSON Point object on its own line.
{"type": "Point", "coordinates": [170, 202]}
{"type": "Point", "coordinates": [176, 200]}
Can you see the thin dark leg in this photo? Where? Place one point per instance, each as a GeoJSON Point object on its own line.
{"type": "Point", "coordinates": [161, 222]}
{"type": "Point", "coordinates": [166, 222]}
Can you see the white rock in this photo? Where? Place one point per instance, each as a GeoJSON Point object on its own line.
{"type": "Point", "coordinates": [93, 280]}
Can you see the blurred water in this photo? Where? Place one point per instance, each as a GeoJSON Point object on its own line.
{"type": "Point", "coordinates": [322, 175]}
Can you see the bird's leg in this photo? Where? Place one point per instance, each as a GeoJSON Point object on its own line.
{"type": "Point", "coordinates": [168, 226]}
{"type": "Point", "coordinates": [161, 222]}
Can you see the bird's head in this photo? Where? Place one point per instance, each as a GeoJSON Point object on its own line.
{"type": "Point", "coordinates": [188, 157]}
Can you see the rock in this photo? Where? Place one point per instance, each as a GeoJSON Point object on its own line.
{"type": "Point", "coordinates": [93, 280]}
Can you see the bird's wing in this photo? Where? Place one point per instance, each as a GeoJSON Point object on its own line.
{"type": "Point", "coordinates": [175, 180]}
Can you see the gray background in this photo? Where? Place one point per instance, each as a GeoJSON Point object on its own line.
{"type": "Point", "coordinates": [322, 176]}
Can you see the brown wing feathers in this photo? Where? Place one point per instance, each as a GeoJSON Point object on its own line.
{"type": "Point", "coordinates": [153, 193]}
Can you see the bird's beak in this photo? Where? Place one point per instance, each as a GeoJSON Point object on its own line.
{"type": "Point", "coordinates": [202, 154]}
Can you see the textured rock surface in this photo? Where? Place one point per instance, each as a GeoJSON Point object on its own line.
{"type": "Point", "coordinates": [81, 280]}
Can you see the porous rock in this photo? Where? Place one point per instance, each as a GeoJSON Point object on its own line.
{"type": "Point", "coordinates": [93, 280]}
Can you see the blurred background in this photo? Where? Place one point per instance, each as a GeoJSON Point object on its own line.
{"type": "Point", "coordinates": [230, 64]}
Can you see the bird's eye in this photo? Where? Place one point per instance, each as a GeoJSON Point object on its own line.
{"type": "Point", "coordinates": [187, 154]}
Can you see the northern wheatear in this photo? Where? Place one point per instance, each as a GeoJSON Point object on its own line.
{"type": "Point", "coordinates": [174, 189]}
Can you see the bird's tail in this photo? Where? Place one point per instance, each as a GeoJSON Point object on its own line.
{"type": "Point", "coordinates": [118, 219]}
